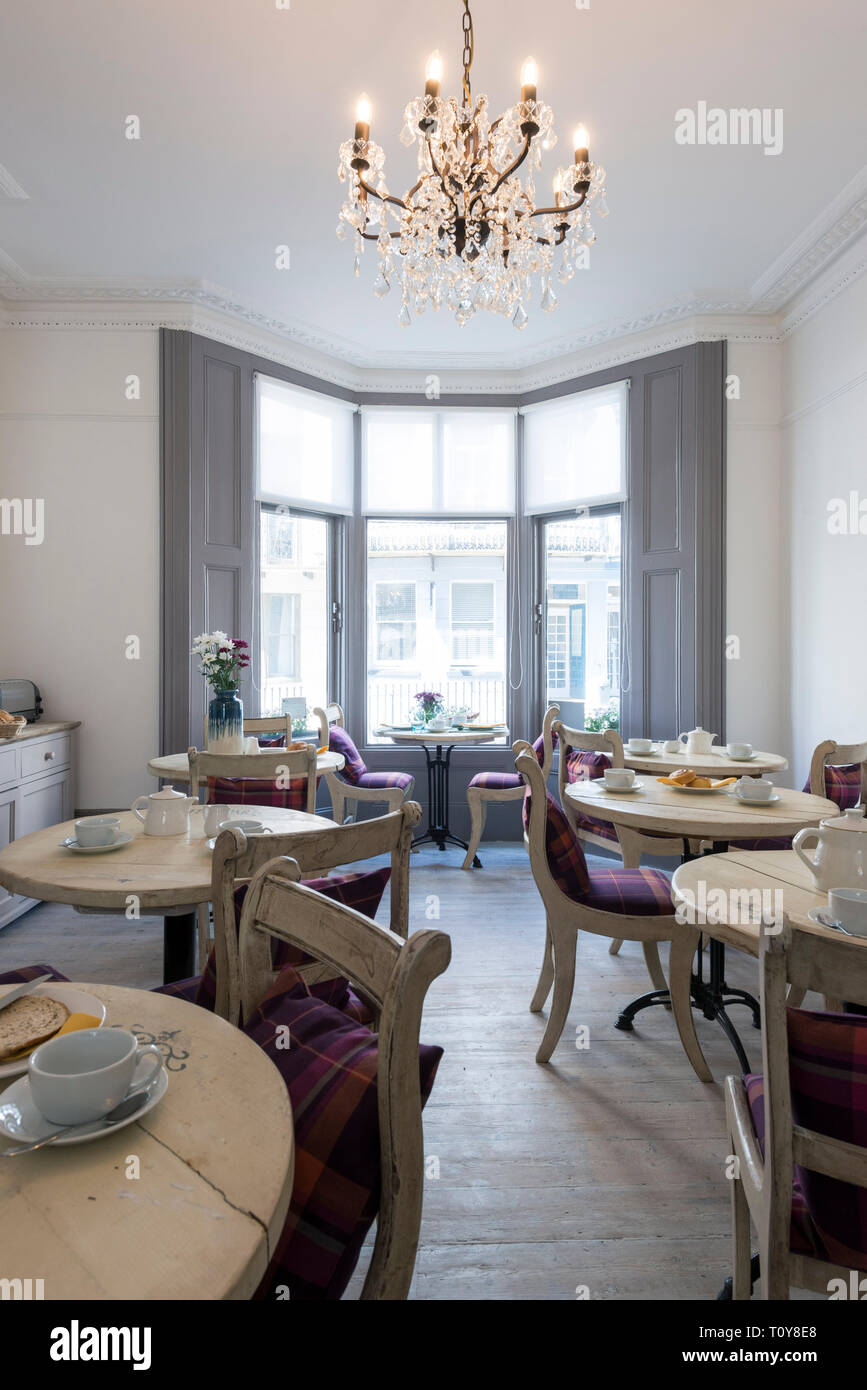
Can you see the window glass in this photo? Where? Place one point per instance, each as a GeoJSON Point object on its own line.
{"type": "Point", "coordinates": [582, 591]}
{"type": "Point", "coordinates": [294, 619]}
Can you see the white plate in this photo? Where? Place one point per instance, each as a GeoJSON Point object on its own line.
{"type": "Point", "coordinates": [822, 917]}
{"type": "Point", "coordinates": [754, 801]}
{"type": "Point", "coordinates": [76, 1001]}
{"type": "Point", "coordinates": [31, 1125]}
{"type": "Point", "coordinates": [697, 791]}
{"type": "Point", "coordinates": [123, 838]}
{"type": "Point", "coordinates": [618, 791]}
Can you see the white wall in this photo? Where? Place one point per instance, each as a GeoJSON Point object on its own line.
{"type": "Point", "coordinates": [69, 436]}
{"type": "Point", "coordinates": [757, 686]}
{"type": "Point", "coordinates": [825, 449]}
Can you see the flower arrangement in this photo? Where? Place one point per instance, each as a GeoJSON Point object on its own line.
{"type": "Point", "coordinates": [221, 659]}
{"type": "Point", "coordinates": [598, 720]}
{"type": "Point", "coordinates": [430, 703]}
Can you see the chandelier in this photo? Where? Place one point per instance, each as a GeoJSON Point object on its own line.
{"type": "Point", "coordinates": [468, 234]}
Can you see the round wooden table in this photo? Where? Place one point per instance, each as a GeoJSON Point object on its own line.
{"type": "Point", "coordinates": [169, 875]}
{"type": "Point", "coordinates": [715, 816]}
{"type": "Point", "coordinates": [711, 765]}
{"type": "Point", "coordinates": [215, 1159]}
{"type": "Point", "coordinates": [175, 767]}
{"type": "Point", "coordinates": [438, 749]}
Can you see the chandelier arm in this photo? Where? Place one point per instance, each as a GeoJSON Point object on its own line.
{"type": "Point", "coordinates": [564, 207]}
{"type": "Point", "coordinates": [440, 176]}
{"type": "Point", "coordinates": [383, 197]}
{"type": "Point", "coordinates": [507, 173]}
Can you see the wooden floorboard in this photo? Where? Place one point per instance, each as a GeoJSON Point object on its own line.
{"type": "Point", "coordinates": [602, 1169]}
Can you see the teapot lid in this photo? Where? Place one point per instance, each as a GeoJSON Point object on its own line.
{"type": "Point", "coordinates": [168, 794]}
{"type": "Point", "coordinates": [851, 820]}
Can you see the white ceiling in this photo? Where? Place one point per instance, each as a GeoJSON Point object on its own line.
{"type": "Point", "coordinates": [243, 106]}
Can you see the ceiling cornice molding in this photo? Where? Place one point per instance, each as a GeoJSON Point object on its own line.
{"type": "Point", "coordinates": [838, 224]}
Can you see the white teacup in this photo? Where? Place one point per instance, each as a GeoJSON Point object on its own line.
{"type": "Point", "coordinates": [81, 1076]}
{"type": "Point", "coordinates": [249, 827]}
{"type": "Point", "coordinates": [672, 747]}
{"type": "Point", "coordinates": [640, 745]}
{"type": "Point", "coordinates": [213, 817]}
{"type": "Point", "coordinates": [848, 906]}
{"type": "Point", "coordinates": [96, 830]}
{"type": "Point", "coordinates": [618, 777]}
{"type": "Point", "coordinates": [754, 789]}
{"type": "Point", "coordinates": [739, 750]}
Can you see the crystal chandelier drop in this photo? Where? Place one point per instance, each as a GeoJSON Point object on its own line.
{"type": "Point", "coordinates": [468, 234]}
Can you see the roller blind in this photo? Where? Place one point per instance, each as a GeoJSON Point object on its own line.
{"type": "Point", "coordinates": [459, 462]}
{"type": "Point", "coordinates": [575, 449]}
{"type": "Point", "coordinates": [304, 447]}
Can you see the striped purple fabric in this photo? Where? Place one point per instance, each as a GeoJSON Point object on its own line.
{"type": "Point", "coordinates": [842, 785]}
{"type": "Point", "coordinates": [257, 791]}
{"type": "Point", "coordinates": [354, 765]}
{"type": "Point", "coordinates": [539, 746]}
{"type": "Point", "coordinates": [630, 892]}
{"type": "Point", "coordinates": [582, 766]}
{"type": "Point", "coordinates": [330, 1074]}
{"type": "Point", "coordinates": [271, 740]}
{"type": "Point", "coordinates": [497, 781]}
{"type": "Point", "coordinates": [594, 826]}
{"type": "Point", "coordinates": [802, 1236]}
{"type": "Point", "coordinates": [380, 781]}
{"type": "Point", "coordinates": [29, 972]}
{"type": "Point", "coordinates": [563, 851]}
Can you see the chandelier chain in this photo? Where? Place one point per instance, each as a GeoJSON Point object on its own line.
{"type": "Point", "coordinates": [467, 25]}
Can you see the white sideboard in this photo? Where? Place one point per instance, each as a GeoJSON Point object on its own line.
{"type": "Point", "coordinates": [37, 789]}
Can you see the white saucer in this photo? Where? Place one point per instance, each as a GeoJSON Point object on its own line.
{"type": "Point", "coordinates": [823, 918]}
{"type": "Point", "coordinates": [123, 837]}
{"type": "Point", "coordinates": [30, 1125]}
{"type": "Point", "coordinates": [753, 800]}
{"type": "Point", "coordinates": [618, 791]}
{"type": "Point", "coordinates": [750, 758]}
{"type": "Point", "coordinates": [634, 752]}
{"type": "Point", "coordinates": [76, 1001]}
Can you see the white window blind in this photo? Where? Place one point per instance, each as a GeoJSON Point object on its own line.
{"type": "Point", "coordinates": [460, 462]}
{"type": "Point", "coordinates": [575, 449]}
{"type": "Point", "coordinates": [304, 448]}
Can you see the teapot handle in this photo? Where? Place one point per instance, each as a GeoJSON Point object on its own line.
{"type": "Point", "coordinates": [800, 838]}
{"type": "Point", "coordinates": [135, 807]}
{"type": "Point", "coordinates": [681, 737]}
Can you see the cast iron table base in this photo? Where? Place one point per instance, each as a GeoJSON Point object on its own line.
{"type": "Point", "coordinates": [438, 831]}
{"type": "Point", "coordinates": [712, 996]}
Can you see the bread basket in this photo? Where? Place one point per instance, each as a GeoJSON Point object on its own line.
{"type": "Point", "coordinates": [13, 728]}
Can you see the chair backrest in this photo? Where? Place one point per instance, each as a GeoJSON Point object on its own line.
{"type": "Point", "coordinates": [831, 754]}
{"type": "Point", "coordinates": [551, 713]}
{"type": "Point", "coordinates": [237, 858]}
{"type": "Point", "coordinates": [276, 723]}
{"type": "Point", "coordinates": [556, 858]}
{"type": "Point", "coordinates": [570, 740]}
{"type": "Point", "coordinates": [836, 967]}
{"type": "Point", "coordinates": [280, 767]}
{"type": "Point", "coordinates": [331, 714]}
{"type": "Point", "coordinates": [396, 974]}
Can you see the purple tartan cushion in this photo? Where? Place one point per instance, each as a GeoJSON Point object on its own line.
{"type": "Point", "coordinates": [595, 826]}
{"type": "Point", "coordinates": [497, 781]}
{"type": "Point", "coordinates": [29, 972]}
{"type": "Point", "coordinates": [563, 851]}
{"type": "Point", "coordinates": [539, 746]}
{"type": "Point", "coordinates": [380, 781]}
{"type": "Point", "coordinates": [802, 1236]}
{"type": "Point", "coordinates": [842, 784]}
{"type": "Point", "coordinates": [828, 1076]}
{"type": "Point", "coordinates": [257, 791]}
{"type": "Point", "coordinates": [638, 892]}
{"type": "Point", "coordinates": [585, 767]}
{"type": "Point", "coordinates": [340, 742]}
{"type": "Point", "coordinates": [363, 892]}
{"type": "Point", "coordinates": [778, 842]}
{"type": "Point", "coordinates": [330, 1074]}
{"type": "Point", "coordinates": [184, 989]}
{"type": "Point", "coordinates": [271, 740]}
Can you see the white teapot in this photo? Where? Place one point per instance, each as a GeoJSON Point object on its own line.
{"type": "Point", "coordinates": [698, 741]}
{"type": "Point", "coordinates": [840, 859]}
{"type": "Point", "coordinates": [168, 812]}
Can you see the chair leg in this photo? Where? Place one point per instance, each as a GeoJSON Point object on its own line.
{"type": "Point", "coordinates": [654, 968]}
{"type": "Point", "coordinates": [478, 812]}
{"type": "Point", "coordinates": [564, 945]}
{"type": "Point", "coordinates": [795, 997]}
{"type": "Point", "coordinates": [614, 948]}
{"type": "Point", "coordinates": [742, 1286]}
{"type": "Point", "coordinates": [546, 975]}
{"type": "Point", "coordinates": [683, 948]}
{"type": "Point", "coordinates": [203, 935]}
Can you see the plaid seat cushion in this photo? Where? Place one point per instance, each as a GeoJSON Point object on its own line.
{"type": "Point", "coordinates": [563, 851]}
{"type": "Point", "coordinates": [828, 1076]}
{"type": "Point", "coordinates": [380, 781]}
{"type": "Point", "coordinates": [271, 740]}
{"type": "Point", "coordinates": [330, 1074]}
{"type": "Point", "coordinates": [183, 989]}
{"type": "Point", "coordinates": [802, 1236]}
{"type": "Point", "coordinates": [30, 972]}
{"type": "Point", "coordinates": [603, 828]}
{"type": "Point", "coordinates": [842, 785]}
{"type": "Point", "coordinates": [631, 892]}
{"type": "Point", "coordinates": [257, 791]}
{"type": "Point", "coordinates": [497, 781]}
{"type": "Point", "coordinates": [354, 765]}
{"type": "Point", "coordinates": [582, 766]}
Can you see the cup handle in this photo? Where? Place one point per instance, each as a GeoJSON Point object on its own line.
{"type": "Point", "coordinates": [149, 1050]}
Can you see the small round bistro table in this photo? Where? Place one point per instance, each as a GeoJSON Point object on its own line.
{"type": "Point", "coordinates": [438, 749]}
{"type": "Point", "coordinates": [175, 767]}
{"type": "Point", "coordinates": [199, 1213]}
{"type": "Point", "coordinates": [711, 765]}
{"type": "Point", "coordinates": [729, 896]}
{"type": "Point", "coordinates": [701, 815]}
{"type": "Point", "coordinates": [169, 875]}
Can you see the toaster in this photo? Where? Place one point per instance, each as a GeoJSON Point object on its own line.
{"type": "Point", "coordinates": [19, 696]}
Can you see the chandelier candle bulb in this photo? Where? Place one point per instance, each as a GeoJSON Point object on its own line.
{"type": "Point", "coordinates": [529, 80]}
{"type": "Point", "coordinates": [581, 140]}
{"type": "Point", "coordinates": [433, 75]}
{"type": "Point", "coordinates": [362, 119]}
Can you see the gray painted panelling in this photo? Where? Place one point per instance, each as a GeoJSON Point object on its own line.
{"type": "Point", "coordinates": [222, 471]}
{"type": "Point", "coordinates": [661, 673]}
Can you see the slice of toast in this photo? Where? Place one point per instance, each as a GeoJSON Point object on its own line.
{"type": "Point", "coordinates": [29, 1021]}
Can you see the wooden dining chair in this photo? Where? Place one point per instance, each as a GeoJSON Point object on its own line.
{"type": "Point", "coordinates": [486, 787]}
{"type": "Point", "coordinates": [280, 724]}
{"type": "Point", "coordinates": [396, 973]}
{"type": "Point", "coordinates": [635, 903]}
{"type": "Point", "coordinates": [284, 778]}
{"type": "Point", "coordinates": [798, 1130]}
{"type": "Point", "coordinates": [356, 783]}
{"type": "Point", "coordinates": [834, 768]}
{"type": "Point", "coordinates": [238, 857]}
